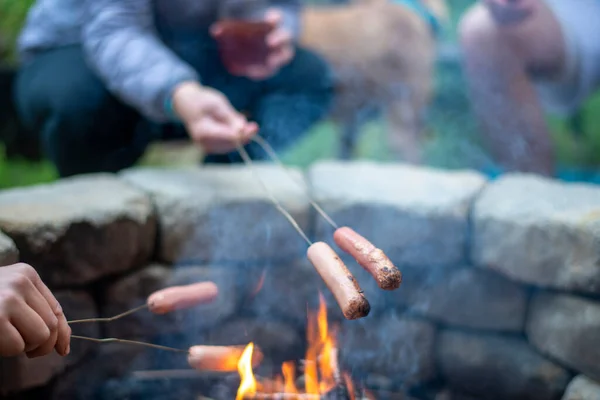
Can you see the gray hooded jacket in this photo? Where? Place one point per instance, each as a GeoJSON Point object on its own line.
{"type": "Point", "coordinates": [122, 45]}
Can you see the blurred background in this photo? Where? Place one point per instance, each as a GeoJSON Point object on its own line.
{"type": "Point", "coordinates": [452, 136]}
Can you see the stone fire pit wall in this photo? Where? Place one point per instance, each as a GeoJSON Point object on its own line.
{"type": "Point", "coordinates": [501, 287]}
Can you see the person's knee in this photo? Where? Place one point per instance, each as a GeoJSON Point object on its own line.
{"type": "Point", "coordinates": [75, 100]}
{"type": "Point", "coordinates": [481, 36]}
{"type": "Point", "coordinates": [80, 103]}
{"type": "Point", "coordinates": [478, 32]}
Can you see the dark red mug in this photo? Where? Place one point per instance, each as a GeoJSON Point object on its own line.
{"type": "Point", "coordinates": [242, 44]}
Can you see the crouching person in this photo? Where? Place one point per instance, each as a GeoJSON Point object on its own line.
{"type": "Point", "coordinates": [101, 79]}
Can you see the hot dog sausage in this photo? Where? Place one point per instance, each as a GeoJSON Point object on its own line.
{"type": "Point", "coordinates": [372, 259]}
{"type": "Point", "coordinates": [220, 358]}
{"type": "Point", "coordinates": [178, 297]}
{"type": "Point", "coordinates": [339, 280]}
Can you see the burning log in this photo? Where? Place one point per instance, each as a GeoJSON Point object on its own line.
{"type": "Point", "coordinates": [283, 396]}
{"type": "Point", "coordinates": [333, 395]}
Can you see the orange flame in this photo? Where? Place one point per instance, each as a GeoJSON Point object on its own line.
{"type": "Point", "coordinates": [289, 377]}
{"type": "Point", "coordinates": [320, 356]}
{"type": "Point", "coordinates": [320, 364]}
{"type": "Point", "coordinates": [248, 384]}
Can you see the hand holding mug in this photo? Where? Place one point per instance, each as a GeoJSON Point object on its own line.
{"type": "Point", "coordinates": [280, 48]}
{"type": "Point", "coordinates": [252, 39]}
{"type": "Point", "coordinates": [210, 119]}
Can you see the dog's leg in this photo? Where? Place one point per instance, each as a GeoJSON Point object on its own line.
{"type": "Point", "coordinates": [350, 131]}
{"type": "Point", "coordinates": [405, 130]}
{"type": "Point", "coordinates": [406, 107]}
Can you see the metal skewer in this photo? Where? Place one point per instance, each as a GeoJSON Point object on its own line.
{"type": "Point", "coordinates": [109, 319]}
{"type": "Point", "coordinates": [133, 342]}
{"type": "Point", "coordinates": [244, 154]}
{"type": "Point", "coordinates": [273, 155]}
{"type": "Point", "coordinates": [248, 161]}
{"type": "Point", "coordinates": [117, 340]}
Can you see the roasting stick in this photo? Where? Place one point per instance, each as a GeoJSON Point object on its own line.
{"type": "Point", "coordinates": [133, 342]}
{"type": "Point", "coordinates": [338, 279]}
{"type": "Point", "coordinates": [370, 258]}
{"type": "Point", "coordinates": [117, 340]}
{"type": "Point", "coordinates": [109, 319]}
{"type": "Point", "coordinates": [248, 161]}
{"type": "Point", "coordinates": [159, 302]}
{"type": "Point", "coordinates": [271, 153]}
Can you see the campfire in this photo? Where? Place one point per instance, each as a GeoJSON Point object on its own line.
{"type": "Point", "coordinates": [319, 370]}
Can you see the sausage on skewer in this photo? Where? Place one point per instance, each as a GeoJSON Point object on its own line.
{"type": "Point", "coordinates": [178, 297]}
{"type": "Point", "coordinates": [339, 280]}
{"type": "Point", "coordinates": [220, 358]}
{"type": "Point", "coordinates": [372, 259]}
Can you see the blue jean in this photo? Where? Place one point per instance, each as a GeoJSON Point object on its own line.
{"type": "Point", "coordinates": [82, 128]}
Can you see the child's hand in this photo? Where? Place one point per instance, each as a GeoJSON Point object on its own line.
{"type": "Point", "coordinates": [31, 320]}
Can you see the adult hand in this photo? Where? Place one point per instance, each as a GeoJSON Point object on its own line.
{"type": "Point", "coordinates": [210, 119]}
{"type": "Point", "coordinates": [280, 47]}
{"type": "Point", "coordinates": [31, 319]}
{"type": "Point", "coordinates": [511, 12]}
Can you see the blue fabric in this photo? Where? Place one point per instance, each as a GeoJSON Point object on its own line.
{"type": "Point", "coordinates": [565, 174]}
{"type": "Point", "coordinates": [424, 12]}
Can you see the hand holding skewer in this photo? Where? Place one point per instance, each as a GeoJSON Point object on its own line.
{"type": "Point", "coordinates": [205, 358]}
{"type": "Point", "coordinates": [31, 319]}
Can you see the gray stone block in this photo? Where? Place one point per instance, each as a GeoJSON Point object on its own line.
{"type": "Point", "coordinates": [497, 367]}
{"type": "Point", "coordinates": [567, 328]}
{"type": "Point", "coordinates": [540, 232]}
{"type": "Point", "coordinates": [417, 216]}
{"type": "Point", "coordinates": [222, 213]}
{"type": "Point", "coordinates": [79, 229]}
{"type": "Point", "coordinates": [393, 346]}
{"type": "Point", "coordinates": [8, 251]}
{"type": "Point", "coordinates": [582, 388]}
{"type": "Point", "coordinates": [469, 298]}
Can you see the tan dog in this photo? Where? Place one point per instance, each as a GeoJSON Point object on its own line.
{"type": "Point", "coordinates": [383, 54]}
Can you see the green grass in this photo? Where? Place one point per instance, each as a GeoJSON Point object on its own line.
{"type": "Point", "coordinates": [453, 136]}
{"type": "Point", "coordinates": [12, 15]}
{"type": "Point", "coordinates": [24, 173]}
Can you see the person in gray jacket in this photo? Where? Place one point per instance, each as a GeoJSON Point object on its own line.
{"type": "Point", "coordinates": [102, 79]}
